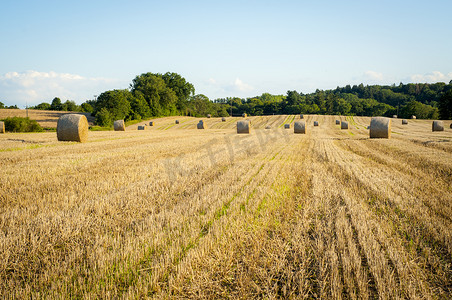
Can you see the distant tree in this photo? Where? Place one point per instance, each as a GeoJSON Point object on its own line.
{"type": "Point", "coordinates": [87, 107]}
{"type": "Point", "coordinates": [181, 87]}
{"type": "Point", "coordinates": [116, 102]}
{"type": "Point", "coordinates": [56, 104]}
{"type": "Point", "coordinates": [70, 106]}
{"type": "Point", "coordinates": [42, 106]}
{"type": "Point", "coordinates": [161, 99]}
{"type": "Point", "coordinates": [139, 108]}
{"type": "Point", "coordinates": [2, 105]}
{"type": "Point", "coordinates": [445, 105]}
{"type": "Point", "coordinates": [104, 118]}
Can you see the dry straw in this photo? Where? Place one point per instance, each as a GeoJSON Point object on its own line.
{"type": "Point", "coordinates": [394, 116]}
{"type": "Point", "coordinates": [344, 125]}
{"type": "Point", "coordinates": [413, 117]}
{"type": "Point", "coordinates": [243, 126]}
{"type": "Point", "coordinates": [177, 122]}
{"type": "Point", "coordinates": [380, 127]}
{"type": "Point", "coordinates": [151, 123]}
{"type": "Point", "coordinates": [119, 125]}
{"type": "Point", "coordinates": [437, 126]}
{"type": "Point", "coordinates": [72, 127]}
{"type": "Point", "coordinates": [269, 127]}
{"type": "Point", "coordinates": [299, 127]}
{"type": "Point", "coordinates": [141, 127]}
{"type": "Point", "coordinates": [316, 123]}
{"type": "Point", "coordinates": [201, 125]}
{"type": "Point", "coordinates": [223, 119]}
{"type": "Point", "coordinates": [338, 122]}
{"type": "Point", "coordinates": [286, 126]}
{"type": "Point", "coordinates": [2, 127]}
{"type": "Point", "coordinates": [404, 122]}
{"type": "Point", "coordinates": [450, 125]}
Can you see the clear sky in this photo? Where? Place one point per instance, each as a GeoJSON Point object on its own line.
{"type": "Point", "coordinates": [77, 49]}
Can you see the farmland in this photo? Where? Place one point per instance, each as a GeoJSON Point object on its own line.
{"type": "Point", "coordinates": [175, 212]}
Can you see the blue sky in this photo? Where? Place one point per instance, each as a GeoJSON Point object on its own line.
{"type": "Point", "coordinates": [75, 50]}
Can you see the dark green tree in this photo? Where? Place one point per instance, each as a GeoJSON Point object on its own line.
{"type": "Point", "coordinates": [116, 102]}
{"type": "Point", "coordinates": [445, 105]}
{"type": "Point", "coordinates": [181, 87]}
{"type": "Point", "coordinates": [56, 104]}
{"type": "Point", "coordinates": [161, 99]}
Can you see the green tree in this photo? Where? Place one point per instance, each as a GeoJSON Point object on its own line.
{"type": "Point", "coordinates": [116, 102]}
{"type": "Point", "coordinates": [42, 106]}
{"type": "Point", "coordinates": [2, 105]}
{"type": "Point", "coordinates": [56, 104]}
{"type": "Point", "coordinates": [104, 118]}
{"type": "Point", "coordinates": [86, 107]}
{"type": "Point", "coordinates": [181, 88]}
{"type": "Point", "coordinates": [139, 108]}
{"type": "Point", "coordinates": [161, 99]}
{"type": "Point", "coordinates": [445, 105]}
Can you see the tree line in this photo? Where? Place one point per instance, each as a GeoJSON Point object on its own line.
{"type": "Point", "coordinates": [156, 95]}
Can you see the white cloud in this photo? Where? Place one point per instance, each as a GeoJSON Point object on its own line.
{"type": "Point", "coordinates": [373, 76]}
{"type": "Point", "coordinates": [241, 86]}
{"type": "Point", "coordinates": [34, 87]}
{"type": "Point", "coordinates": [432, 77]}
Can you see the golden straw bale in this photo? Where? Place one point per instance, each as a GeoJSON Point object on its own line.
{"type": "Point", "coordinates": [243, 126]}
{"type": "Point", "coordinates": [299, 127]}
{"type": "Point", "coordinates": [344, 125]}
{"type": "Point", "coordinates": [380, 127]}
{"type": "Point", "coordinates": [119, 125]}
{"type": "Point", "coordinates": [72, 127]}
{"type": "Point", "coordinates": [437, 126]}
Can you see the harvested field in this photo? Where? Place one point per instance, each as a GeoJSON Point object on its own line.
{"type": "Point", "coordinates": [45, 118]}
{"type": "Point", "coordinates": [175, 212]}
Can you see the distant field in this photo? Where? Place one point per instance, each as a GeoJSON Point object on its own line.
{"type": "Point", "coordinates": [45, 118]}
{"type": "Point", "coordinates": [176, 212]}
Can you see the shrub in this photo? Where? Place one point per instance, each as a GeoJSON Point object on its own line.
{"type": "Point", "coordinates": [18, 124]}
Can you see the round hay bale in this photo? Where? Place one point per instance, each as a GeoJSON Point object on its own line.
{"type": "Point", "coordinates": [72, 127]}
{"type": "Point", "coordinates": [316, 123]}
{"type": "Point", "coordinates": [380, 127]}
{"type": "Point", "coordinates": [413, 117]}
{"type": "Point", "coordinates": [344, 125]}
{"type": "Point", "coordinates": [177, 122]}
{"type": "Point", "coordinates": [394, 116]}
{"type": "Point", "coordinates": [404, 122]}
{"type": "Point", "coordinates": [301, 116]}
{"type": "Point", "coordinates": [201, 125]}
{"type": "Point", "coordinates": [141, 127]}
{"type": "Point", "coordinates": [209, 116]}
{"type": "Point", "coordinates": [223, 119]}
{"type": "Point", "coordinates": [338, 122]}
{"type": "Point", "coordinates": [437, 126]}
{"type": "Point", "coordinates": [243, 126]}
{"type": "Point", "coordinates": [299, 127]}
{"type": "Point", "coordinates": [244, 115]}
{"type": "Point", "coordinates": [2, 127]}
{"type": "Point", "coordinates": [286, 126]}
{"type": "Point", "coordinates": [151, 123]}
{"type": "Point", "coordinates": [119, 125]}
